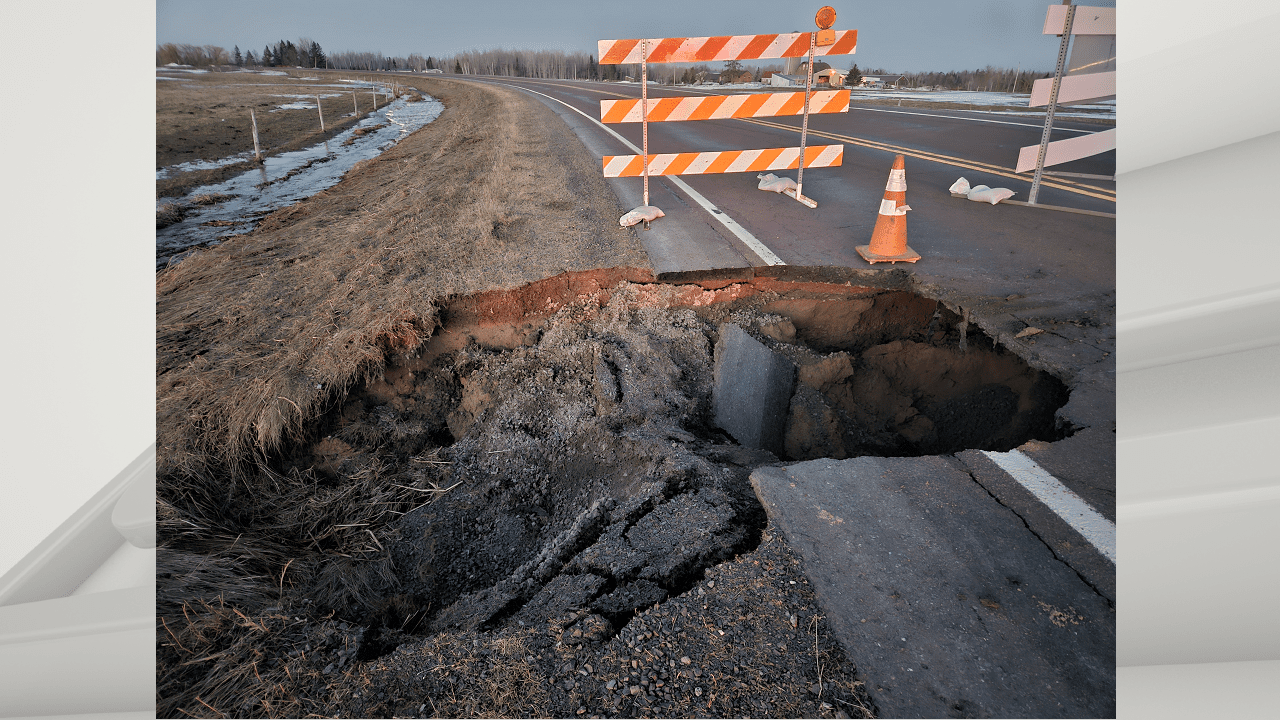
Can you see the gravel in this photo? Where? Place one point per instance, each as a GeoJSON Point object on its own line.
{"type": "Point", "coordinates": [668, 660]}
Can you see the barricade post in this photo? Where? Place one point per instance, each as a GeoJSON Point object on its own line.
{"type": "Point", "coordinates": [1090, 75]}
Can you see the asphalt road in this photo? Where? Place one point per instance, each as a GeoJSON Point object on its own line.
{"type": "Point", "coordinates": [1007, 268]}
{"type": "Point", "coordinates": [1063, 260]}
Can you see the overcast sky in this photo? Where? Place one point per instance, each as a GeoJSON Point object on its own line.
{"type": "Point", "coordinates": [897, 35]}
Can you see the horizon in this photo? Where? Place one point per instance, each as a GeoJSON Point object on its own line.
{"type": "Point", "coordinates": [942, 37]}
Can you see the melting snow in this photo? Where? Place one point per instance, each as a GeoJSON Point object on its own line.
{"type": "Point", "coordinates": [289, 177]}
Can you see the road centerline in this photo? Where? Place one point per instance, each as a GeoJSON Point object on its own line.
{"type": "Point", "coordinates": [1080, 189]}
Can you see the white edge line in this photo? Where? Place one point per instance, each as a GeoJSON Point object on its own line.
{"type": "Point", "coordinates": [759, 248]}
{"type": "Point", "coordinates": [1092, 526]}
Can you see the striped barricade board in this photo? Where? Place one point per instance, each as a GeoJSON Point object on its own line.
{"type": "Point", "coordinates": [723, 47]}
{"type": "Point", "coordinates": [720, 107]}
{"type": "Point", "coordinates": [1061, 151]}
{"type": "Point", "coordinates": [755, 105]}
{"type": "Point", "coordinates": [1073, 89]}
{"type": "Point", "coordinates": [725, 161]}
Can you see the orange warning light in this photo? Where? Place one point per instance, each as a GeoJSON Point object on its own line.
{"type": "Point", "coordinates": [826, 17]}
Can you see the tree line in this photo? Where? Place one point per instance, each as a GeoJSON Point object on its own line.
{"type": "Point", "coordinates": [990, 79]}
{"type": "Point", "coordinates": [560, 65]}
{"type": "Point", "coordinates": [305, 53]}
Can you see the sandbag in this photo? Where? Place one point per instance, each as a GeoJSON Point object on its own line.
{"type": "Point", "coordinates": [772, 183]}
{"type": "Point", "coordinates": [641, 214]}
{"type": "Point", "coordinates": [982, 193]}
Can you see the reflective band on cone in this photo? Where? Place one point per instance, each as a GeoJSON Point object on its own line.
{"type": "Point", "coordinates": [889, 238]}
{"type": "Point", "coordinates": [897, 181]}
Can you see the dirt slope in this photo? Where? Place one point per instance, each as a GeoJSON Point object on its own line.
{"type": "Point", "coordinates": [255, 335]}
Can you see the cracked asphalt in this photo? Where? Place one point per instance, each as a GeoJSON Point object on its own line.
{"type": "Point", "coordinates": [952, 604]}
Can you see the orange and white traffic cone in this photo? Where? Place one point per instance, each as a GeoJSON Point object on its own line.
{"type": "Point", "coordinates": [889, 238]}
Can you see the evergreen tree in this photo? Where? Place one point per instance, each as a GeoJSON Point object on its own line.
{"type": "Point", "coordinates": [249, 59]}
{"type": "Point", "coordinates": [236, 57]}
{"type": "Point", "coordinates": [457, 67]}
{"type": "Point", "coordinates": [431, 63]}
{"type": "Point", "coordinates": [317, 55]}
{"type": "Point", "coordinates": [854, 78]}
{"type": "Point", "coordinates": [267, 58]}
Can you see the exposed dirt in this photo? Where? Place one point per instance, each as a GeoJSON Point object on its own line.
{"type": "Point", "coordinates": [548, 472]}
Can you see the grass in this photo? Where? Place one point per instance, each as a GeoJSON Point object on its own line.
{"type": "Point", "coordinates": [257, 336]}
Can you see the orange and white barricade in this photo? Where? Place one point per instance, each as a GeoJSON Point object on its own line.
{"type": "Point", "coordinates": [727, 47]}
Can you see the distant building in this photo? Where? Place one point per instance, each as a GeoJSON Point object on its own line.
{"type": "Point", "coordinates": [881, 81]}
{"type": "Point", "coordinates": [829, 77]}
{"type": "Point", "coordinates": [435, 70]}
{"type": "Point", "coordinates": [818, 66]}
{"type": "Point", "coordinates": [744, 77]}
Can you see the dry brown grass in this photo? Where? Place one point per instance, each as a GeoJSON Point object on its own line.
{"type": "Point", "coordinates": [256, 336]}
{"type": "Point", "coordinates": [237, 564]}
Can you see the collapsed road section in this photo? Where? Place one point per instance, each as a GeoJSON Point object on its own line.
{"type": "Point", "coordinates": [551, 465]}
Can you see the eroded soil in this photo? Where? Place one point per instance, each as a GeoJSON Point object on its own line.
{"type": "Point", "coordinates": [575, 518]}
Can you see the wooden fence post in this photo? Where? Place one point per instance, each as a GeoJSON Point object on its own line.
{"type": "Point", "coordinates": [257, 152]}
{"type": "Point", "coordinates": [321, 111]}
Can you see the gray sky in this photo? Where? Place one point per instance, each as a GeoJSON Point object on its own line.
{"type": "Point", "coordinates": [898, 35]}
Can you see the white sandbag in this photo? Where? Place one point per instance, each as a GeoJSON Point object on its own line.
{"type": "Point", "coordinates": [982, 193]}
{"type": "Point", "coordinates": [772, 183]}
{"type": "Point", "coordinates": [640, 214]}
{"type": "Point", "coordinates": [961, 187]}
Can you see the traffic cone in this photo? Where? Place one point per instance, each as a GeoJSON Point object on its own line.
{"type": "Point", "coordinates": [889, 238]}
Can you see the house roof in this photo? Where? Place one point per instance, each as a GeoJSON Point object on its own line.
{"type": "Point", "coordinates": [818, 65]}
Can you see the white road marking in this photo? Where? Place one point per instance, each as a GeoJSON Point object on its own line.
{"type": "Point", "coordinates": [1099, 531]}
{"type": "Point", "coordinates": [969, 119]}
{"type": "Point", "coordinates": [764, 253]}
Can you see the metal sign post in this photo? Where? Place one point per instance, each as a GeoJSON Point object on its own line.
{"type": "Point", "coordinates": [825, 18]}
{"type": "Point", "coordinates": [1053, 102]}
{"type": "Point", "coordinates": [804, 124]}
{"type": "Point", "coordinates": [644, 114]}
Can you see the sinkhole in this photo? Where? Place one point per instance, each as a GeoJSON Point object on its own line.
{"type": "Point", "coordinates": [576, 451]}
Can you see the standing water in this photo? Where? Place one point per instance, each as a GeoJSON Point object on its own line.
{"type": "Point", "coordinates": [243, 201]}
